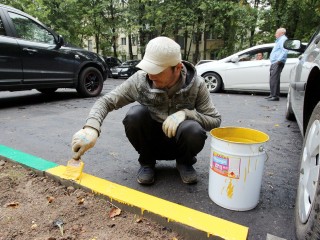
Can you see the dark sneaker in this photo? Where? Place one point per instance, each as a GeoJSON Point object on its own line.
{"type": "Point", "coordinates": [273, 99]}
{"type": "Point", "coordinates": [146, 175]}
{"type": "Point", "coordinates": [187, 173]}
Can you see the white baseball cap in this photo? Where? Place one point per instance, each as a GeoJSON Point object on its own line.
{"type": "Point", "coordinates": [161, 53]}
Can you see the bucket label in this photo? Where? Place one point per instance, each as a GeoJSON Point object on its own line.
{"type": "Point", "coordinates": [225, 165]}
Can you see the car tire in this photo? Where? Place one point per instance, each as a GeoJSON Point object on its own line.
{"type": "Point", "coordinates": [213, 81]}
{"type": "Point", "coordinates": [90, 82]}
{"type": "Point", "coordinates": [307, 209]}
{"type": "Point", "coordinates": [47, 90]}
{"type": "Point", "coordinates": [289, 112]}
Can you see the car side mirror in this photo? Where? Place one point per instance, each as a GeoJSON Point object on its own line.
{"type": "Point", "coordinates": [294, 45]}
{"type": "Point", "coordinates": [59, 41]}
{"type": "Point", "coordinates": [235, 59]}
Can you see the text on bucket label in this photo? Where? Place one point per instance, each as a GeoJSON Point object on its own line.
{"type": "Point", "coordinates": [225, 165]}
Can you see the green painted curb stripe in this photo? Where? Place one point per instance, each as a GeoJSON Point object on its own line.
{"type": "Point", "coordinates": [26, 159]}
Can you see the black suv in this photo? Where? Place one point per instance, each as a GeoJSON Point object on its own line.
{"type": "Point", "coordinates": [32, 56]}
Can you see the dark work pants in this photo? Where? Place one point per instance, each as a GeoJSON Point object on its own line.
{"type": "Point", "coordinates": [275, 72]}
{"type": "Point", "coordinates": [147, 137]}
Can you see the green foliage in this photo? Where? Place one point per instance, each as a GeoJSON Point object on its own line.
{"type": "Point", "coordinates": [32, 7]}
{"type": "Point", "coordinates": [237, 23]}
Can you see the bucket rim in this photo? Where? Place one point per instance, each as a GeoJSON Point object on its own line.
{"type": "Point", "coordinates": [266, 136]}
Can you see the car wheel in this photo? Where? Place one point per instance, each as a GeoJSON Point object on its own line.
{"type": "Point", "coordinates": [47, 90]}
{"type": "Point", "coordinates": [90, 82]}
{"type": "Point", "coordinates": [213, 82]}
{"type": "Point", "coordinates": [307, 209]}
{"type": "Point", "coordinates": [289, 112]}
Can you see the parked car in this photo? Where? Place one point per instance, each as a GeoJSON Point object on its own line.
{"type": "Point", "coordinates": [34, 57]}
{"type": "Point", "coordinates": [303, 104]}
{"type": "Point", "coordinates": [111, 63]}
{"type": "Point", "coordinates": [126, 69]}
{"type": "Point", "coordinates": [242, 72]}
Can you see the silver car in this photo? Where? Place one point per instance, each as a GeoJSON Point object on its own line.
{"type": "Point", "coordinates": [303, 104]}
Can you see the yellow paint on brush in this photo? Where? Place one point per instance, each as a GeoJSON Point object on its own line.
{"type": "Point", "coordinates": [73, 170]}
{"type": "Point", "coordinates": [230, 189]}
{"type": "Point", "coordinates": [173, 212]}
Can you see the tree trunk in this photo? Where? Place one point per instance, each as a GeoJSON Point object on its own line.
{"type": "Point", "coordinates": [185, 44]}
{"type": "Point", "coordinates": [114, 38]}
{"type": "Point", "coordinates": [96, 36]}
{"type": "Point", "coordinates": [114, 42]}
{"type": "Point", "coordinates": [130, 46]}
{"type": "Point", "coordinates": [205, 36]}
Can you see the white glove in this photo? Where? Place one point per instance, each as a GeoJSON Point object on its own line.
{"type": "Point", "coordinates": [172, 122]}
{"type": "Point", "coordinates": [83, 140]}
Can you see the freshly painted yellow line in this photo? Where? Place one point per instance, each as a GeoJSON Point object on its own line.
{"type": "Point", "coordinates": [213, 226]}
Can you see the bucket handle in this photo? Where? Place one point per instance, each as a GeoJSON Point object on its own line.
{"type": "Point", "coordinates": [262, 149]}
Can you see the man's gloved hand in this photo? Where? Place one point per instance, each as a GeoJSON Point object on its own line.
{"type": "Point", "coordinates": [172, 122]}
{"type": "Point", "coordinates": [83, 140]}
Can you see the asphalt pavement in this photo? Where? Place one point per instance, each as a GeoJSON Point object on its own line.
{"type": "Point", "coordinates": [43, 125]}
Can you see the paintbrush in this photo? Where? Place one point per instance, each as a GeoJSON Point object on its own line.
{"type": "Point", "coordinates": [74, 169]}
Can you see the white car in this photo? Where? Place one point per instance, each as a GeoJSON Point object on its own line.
{"type": "Point", "coordinates": [204, 61]}
{"type": "Point", "coordinates": [303, 105]}
{"type": "Point", "coordinates": [242, 72]}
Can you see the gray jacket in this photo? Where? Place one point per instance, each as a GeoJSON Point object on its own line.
{"type": "Point", "coordinates": [193, 98]}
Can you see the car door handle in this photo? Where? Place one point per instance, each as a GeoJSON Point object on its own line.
{"type": "Point", "coordinates": [30, 50]}
{"type": "Point", "coordinates": [299, 86]}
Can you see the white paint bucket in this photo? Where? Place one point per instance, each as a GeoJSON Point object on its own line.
{"type": "Point", "coordinates": [236, 167]}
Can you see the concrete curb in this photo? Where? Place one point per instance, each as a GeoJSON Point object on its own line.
{"type": "Point", "coordinates": [188, 222]}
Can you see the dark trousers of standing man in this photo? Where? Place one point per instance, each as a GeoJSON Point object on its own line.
{"type": "Point", "coordinates": [147, 137]}
{"type": "Point", "coordinates": [275, 72]}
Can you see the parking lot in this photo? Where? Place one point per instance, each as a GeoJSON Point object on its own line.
{"type": "Point", "coordinates": [43, 125]}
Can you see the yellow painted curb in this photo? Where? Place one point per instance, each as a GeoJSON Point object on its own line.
{"type": "Point", "coordinates": [173, 212]}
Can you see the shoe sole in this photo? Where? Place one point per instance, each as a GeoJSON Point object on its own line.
{"type": "Point", "coordinates": [186, 181]}
{"type": "Point", "coordinates": [145, 183]}
{"type": "Point", "coordinates": [189, 182]}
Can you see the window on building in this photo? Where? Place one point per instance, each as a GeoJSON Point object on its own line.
{"type": "Point", "coordinates": [213, 34]}
{"type": "Point", "coordinates": [123, 41]}
{"type": "Point", "coordinates": [214, 54]}
{"type": "Point", "coordinates": [181, 41]}
{"type": "Point", "coordinates": [134, 41]}
{"type": "Point", "coordinates": [90, 48]}
{"type": "Point", "coordinates": [196, 37]}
